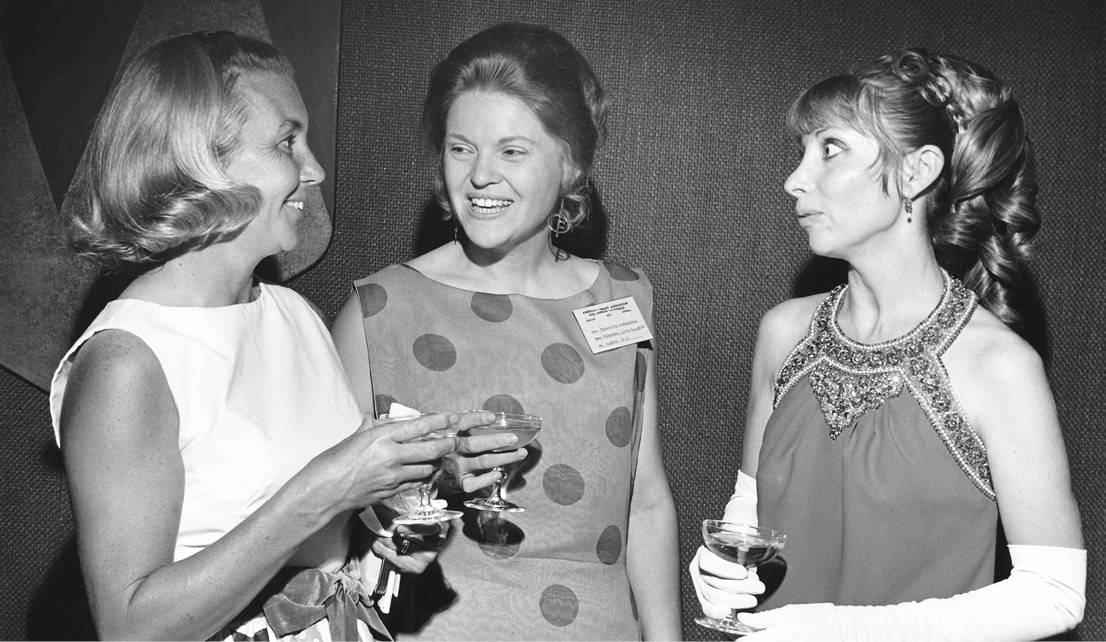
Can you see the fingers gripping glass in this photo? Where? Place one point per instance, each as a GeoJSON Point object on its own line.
{"type": "Point", "coordinates": [525, 427]}
{"type": "Point", "coordinates": [741, 544]}
{"type": "Point", "coordinates": [426, 511]}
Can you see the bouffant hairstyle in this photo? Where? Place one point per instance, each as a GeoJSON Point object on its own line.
{"type": "Point", "coordinates": [154, 182]}
{"type": "Point", "coordinates": [542, 69]}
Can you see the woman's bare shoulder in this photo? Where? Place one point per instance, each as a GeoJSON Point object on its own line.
{"type": "Point", "coordinates": [988, 348]}
{"type": "Point", "coordinates": [789, 321]}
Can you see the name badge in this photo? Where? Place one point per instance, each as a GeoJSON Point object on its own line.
{"type": "Point", "coordinates": [612, 324]}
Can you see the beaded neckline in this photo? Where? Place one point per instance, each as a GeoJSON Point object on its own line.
{"type": "Point", "coordinates": [849, 378]}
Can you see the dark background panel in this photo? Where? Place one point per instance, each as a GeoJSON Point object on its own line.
{"type": "Point", "coordinates": [691, 184]}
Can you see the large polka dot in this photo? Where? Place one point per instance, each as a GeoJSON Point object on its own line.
{"type": "Point", "coordinates": [495, 308]}
{"type": "Point", "coordinates": [641, 368]}
{"type": "Point", "coordinates": [559, 605]}
{"type": "Point", "coordinates": [435, 352]}
{"type": "Point", "coordinates": [497, 538]}
{"type": "Point", "coordinates": [563, 484]}
{"type": "Point", "coordinates": [504, 403]}
{"type": "Point", "coordinates": [563, 363]}
{"type": "Point", "coordinates": [373, 298]}
{"type": "Point", "coordinates": [619, 273]}
{"type": "Point", "coordinates": [620, 427]}
{"type": "Point", "coordinates": [609, 547]}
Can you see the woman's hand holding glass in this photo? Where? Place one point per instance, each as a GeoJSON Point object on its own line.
{"type": "Point", "coordinates": [379, 461]}
{"type": "Point", "coordinates": [723, 586]}
{"type": "Point", "coordinates": [740, 544]}
{"type": "Point", "coordinates": [472, 466]}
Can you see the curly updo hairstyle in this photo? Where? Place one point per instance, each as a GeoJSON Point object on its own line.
{"type": "Point", "coordinates": [982, 215]}
{"type": "Point", "coordinates": [542, 69]}
{"type": "Point", "coordinates": [155, 183]}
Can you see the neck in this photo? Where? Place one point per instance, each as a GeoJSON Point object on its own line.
{"type": "Point", "coordinates": [525, 269]}
{"type": "Point", "coordinates": [887, 301]}
{"type": "Point", "coordinates": [210, 277]}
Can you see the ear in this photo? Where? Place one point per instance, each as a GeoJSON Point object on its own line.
{"type": "Point", "coordinates": [921, 168]}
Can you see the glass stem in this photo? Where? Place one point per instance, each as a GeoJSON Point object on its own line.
{"type": "Point", "coordinates": [424, 498]}
{"type": "Point", "coordinates": [497, 486]}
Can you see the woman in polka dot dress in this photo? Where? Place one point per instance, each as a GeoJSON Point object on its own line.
{"type": "Point", "coordinates": [488, 321]}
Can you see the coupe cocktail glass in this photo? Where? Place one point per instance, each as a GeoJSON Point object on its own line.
{"type": "Point", "coordinates": [525, 427]}
{"type": "Point", "coordinates": [741, 544]}
{"type": "Point", "coordinates": [426, 511]}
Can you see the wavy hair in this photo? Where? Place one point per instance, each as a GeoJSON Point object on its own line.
{"type": "Point", "coordinates": [982, 216]}
{"type": "Point", "coordinates": [155, 183]}
{"type": "Point", "coordinates": [542, 69]}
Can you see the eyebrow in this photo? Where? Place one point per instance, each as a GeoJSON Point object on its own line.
{"type": "Point", "coordinates": [291, 125]}
{"type": "Point", "coordinates": [501, 141]}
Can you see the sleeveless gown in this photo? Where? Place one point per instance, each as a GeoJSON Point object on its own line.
{"type": "Point", "coordinates": [558, 570]}
{"type": "Point", "coordinates": [871, 470]}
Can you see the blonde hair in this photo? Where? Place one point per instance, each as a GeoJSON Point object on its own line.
{"type": "Point", "coordinates": [155, 183]}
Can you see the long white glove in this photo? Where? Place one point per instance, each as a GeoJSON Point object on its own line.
{"type": "Point", "coordinates": [742, 507]}
{"type": "Point", "coordinates": [722, 585]}
{"type": "Point", "coordinates": [1043, 596]}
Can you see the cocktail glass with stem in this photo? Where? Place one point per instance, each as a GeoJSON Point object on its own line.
{"type": "Point", "coordinates": [525, 427]}
{"type": "Point", "coordinates": [426, 511]}
{"type": "Point", "coordinates": [741, 544]}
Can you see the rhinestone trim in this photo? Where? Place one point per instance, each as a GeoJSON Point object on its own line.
{"type": "Point", "coordinates": [850, 378]}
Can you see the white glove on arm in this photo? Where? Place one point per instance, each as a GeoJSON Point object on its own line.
{"type": "Point", "coordinates": [742, 507]}
{"type": "Point", "coordinates": [721, 585]}
{"type": "Point", "coordinates": [1043, 596]}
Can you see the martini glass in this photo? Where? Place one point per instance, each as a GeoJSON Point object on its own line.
{"type": "Point", "coordinates": [741, 544]}
{"type": "Point", "coordinates": [426, 512]}
{"type": "Point", "coordinates": [525, 427]}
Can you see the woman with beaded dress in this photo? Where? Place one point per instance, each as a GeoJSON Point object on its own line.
{"type": "Point", "coordinates": [516, 114]}
{"type": "Point", "coordinates": [893, 422]}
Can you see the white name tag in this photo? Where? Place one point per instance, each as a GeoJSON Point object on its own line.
{"type": "Point", "coordinates": [612, 324]}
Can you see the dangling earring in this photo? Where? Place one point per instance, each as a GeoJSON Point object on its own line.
{"type": "Point", "coordinates": [456, 228]}
{"type": "Point", "coordinates": [558, 222]}
{"type": "Point", "coordinates": [909, 204]}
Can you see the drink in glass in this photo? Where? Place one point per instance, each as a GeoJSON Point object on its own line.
{"type": "Point", "coordinates": [741, 544]}
{"type": "Point", "coordinates": [525, 427]}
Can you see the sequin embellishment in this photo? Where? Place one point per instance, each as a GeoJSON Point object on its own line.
{"type": "Point", "coordinates": [849, 378]}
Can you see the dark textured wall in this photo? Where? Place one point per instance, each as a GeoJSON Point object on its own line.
{"type": "Point", "coordinates": [691, 185]}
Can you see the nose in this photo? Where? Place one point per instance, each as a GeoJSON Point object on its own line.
{"type": "Point", "coordinates": [797, 182]}
{"type": "Point", "coordinates": [484, 170]}
{"type": "Point", "coordinates": [311, 172]}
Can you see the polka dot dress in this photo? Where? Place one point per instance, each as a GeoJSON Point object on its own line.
{"type": "Point", "coordinates": [557, 570]}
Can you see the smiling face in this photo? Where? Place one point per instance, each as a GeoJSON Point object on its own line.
{"type": "Point", "coordinates": [273, 156]}
{"type": "Point", "coordinates": [839, 198]}
{"type": "Point", "coordinates": [503, 171]}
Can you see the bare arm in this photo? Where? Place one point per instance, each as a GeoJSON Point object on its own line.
{"type": "Point", "coordinates": [651, 547]}
{"type": "Point", "coordinates": [1001, 384]}
{"type": "Point", "coordinates": [126, 478]}
{"type": "Point", "coordinates": [780, 330]}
